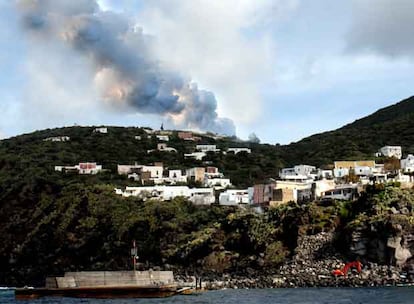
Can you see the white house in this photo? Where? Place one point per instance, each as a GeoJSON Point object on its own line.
{"type": "Point", "coordinates": [202, 196]}
{"type": "Point", "coordinates": [298, 172]}
{"type": "Point", "coordinates": [304, 169]}
{"type": "Point", "coordinates": [81, 168]}
{"type": "Point", "coordinates": [216, 182]}
{"type": "Point", "coordinates": [207, 148]}
{"type": "Point", "coordinates": [57, 138]}
{"type": "Point", "coordinates": [235, 197]}
{"type": "Point", "coordinates": [155, 171]}
{"type": "Point", "coordinates": [342, 192]}
{"type": "Point", "coordinates": [391, 151]}
{"type": "Point", "coordinates": [363, 171]}
{"type": "Point", "coordinates": [341, 172]}
{"type": "Point", "coordinates": [163, 137]}
{"type": "Point", "coordinates": [164, 147]}
{"type": "Point", "coordinates": [321, 186]}
{"type": "Point", "coordinates": [407, 164]}
{"type": "Point", "coordinates": [102, 130]}
{"type": "Point", "coordinates": [325, 174]}
{"type": "Point", "coordinates": [176, 176]}
{"type": "Point", "coordinates": [195, 155]}
{"type": "Point", "coordinates": [238, 150]}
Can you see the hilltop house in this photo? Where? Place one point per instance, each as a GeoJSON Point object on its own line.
{"type": "Point", "coordinates": [57, 139]}
{"type": "Point", "coordinates": [163, 147]}
{"type": "Point", "coordinates": [102, 130]}
{"type": "Point", "coordinates": [155, 171]}
{"type": "Point", "coordinates": [298, 173]}
{"type": "Point", "coordinates": [188, 136]}
{"type": "Point", "coordinates": [391, 151]}
{"type": "Point", "coordinates": [207, 148]}
{"type": "Point", "coordinates": [195, 155]}
{"type": "Point", "coordinates": [81, 168]}
{"type": "Point", "coordinates": [238, 150]}
{"type": "Point", "coordinates": [163, 137]}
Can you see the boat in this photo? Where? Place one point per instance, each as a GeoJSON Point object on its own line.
{"type": "Point", "coordinates": [106, 284]}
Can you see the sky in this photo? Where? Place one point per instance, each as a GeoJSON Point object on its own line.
{"type": "Point", "coordinates": [283, 69]}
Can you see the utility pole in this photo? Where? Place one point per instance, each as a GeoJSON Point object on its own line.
{"type": "Point", "coordinates": [134, 254]}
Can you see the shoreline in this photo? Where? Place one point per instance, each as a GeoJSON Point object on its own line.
{"type": "Point", "coordinates": [276, 281]}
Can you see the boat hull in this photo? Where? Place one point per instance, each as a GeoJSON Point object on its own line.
{"type": "Point", "coordinates": [104, 292]}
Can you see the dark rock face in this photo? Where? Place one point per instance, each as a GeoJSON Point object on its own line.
{"type": "Point", "coordinates": [385, 245]}
{"type": "Point", "coordinates": [311, 266]}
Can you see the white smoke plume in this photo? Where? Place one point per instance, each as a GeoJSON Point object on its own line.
{"type": "Point", "coordinates": [126, 74]}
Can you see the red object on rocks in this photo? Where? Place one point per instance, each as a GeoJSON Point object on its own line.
{"type": "Point", "coordinates": [344, 271]}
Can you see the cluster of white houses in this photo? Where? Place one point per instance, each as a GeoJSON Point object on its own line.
{"type": "Point", "coordinates": [300, 183]}
{"type": "Point", "coordinates": [155, 174]}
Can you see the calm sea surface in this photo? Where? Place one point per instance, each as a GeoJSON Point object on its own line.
{"type": "Point", "coordinates": [394, 295]}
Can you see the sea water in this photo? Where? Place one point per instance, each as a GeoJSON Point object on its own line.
{"type": "Point", "coordinates": [383, 295]}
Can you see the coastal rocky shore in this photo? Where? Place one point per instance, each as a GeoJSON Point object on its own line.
{"type": "Point", "coordinates": [311, 266]}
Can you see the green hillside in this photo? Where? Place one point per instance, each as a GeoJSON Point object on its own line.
{"type": "Point", "coordinates": [52, 222]}
{"type": "Point", "coordinates": [393, 125]}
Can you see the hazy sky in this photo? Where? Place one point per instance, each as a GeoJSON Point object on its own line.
{"type": "Point", "coordinates": [284, 69]}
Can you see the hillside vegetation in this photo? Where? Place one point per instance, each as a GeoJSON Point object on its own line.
{"type": "Point", "coordinates": [393, 125]}
{"type": "Point", "coordinates": [52, 222]}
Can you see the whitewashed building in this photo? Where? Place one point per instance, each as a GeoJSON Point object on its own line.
{"type": "Point", "coordinates": [319, 187]}
{"type": "Point", "coordinates": [325, 174]}
{"type": "Point", "coordinates": [57, 139]}
{"type": "Point", "coordinates": [233, 197]}
{"type": "Point", "coordinates": [391, 151]}
{"type": "Point", "coordinates": [407, 164]}
{"type": "Point", "coordinates": [342, 192]}
{"type": "Point", "coordinates": [176, 176]}
{"type": "Point", "coordinates": [155, 171]}
{"type": "Point", "coordinates": [195, 155]}
{"type": "Point", "coordinates": [102, 130]}
{"type": "Point", "coordinates": [217, 182]}
{"type": "Point", "coordinates": [207, 148]}
{"type": "Point", "coordinates": [81, 168]}
{"type": "Point", "coordinates": [163, 137]}
{"type": "Point", "coordinates": [202, 196]}
{"type": "Point", "coordinates": [341, 172]}
{"type": "Point", "coordinates": [199, 196]}
{"type": "Point", "coordinates": [299, 172]}
{"type": "Point", "coordinates": [164, 147]}
{"type": "Point", "coordinates": [238, 150]}
{"type": "Point", "coordinates": [363, 171]}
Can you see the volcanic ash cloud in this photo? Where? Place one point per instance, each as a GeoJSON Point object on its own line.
{"type": "Point", "coordinates": [127, 75]}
